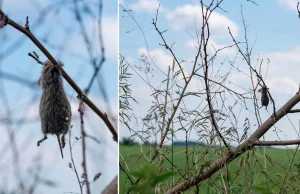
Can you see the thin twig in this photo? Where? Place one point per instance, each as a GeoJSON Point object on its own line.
{"type": "Point", "coordinates": [287, 172]}
{"type": "Point", "coordinates": [35, 58]}
{"type": "Point", "coordinates": [154, 22]}
{"type": "Point", "coordinates": [84, 164]}
{"type": "Point", "coordinates": [83, 32]}
{"type": "Point", "coordinates": [252, 2]}
{"type": "Point", "coordinates": [254, 70]}
{"type": "Point", "coordinates": [73, 163]}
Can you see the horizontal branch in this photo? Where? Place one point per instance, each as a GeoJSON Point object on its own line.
{"type": "Point", "coordinates": [294, 111]}
{"type": "Point", "coordinates": [81, 95]}
{"type": "Point", "coordinates": [276, 142]}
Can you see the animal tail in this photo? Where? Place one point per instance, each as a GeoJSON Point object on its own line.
{"type": "Point", "coordinates": [61, 151]}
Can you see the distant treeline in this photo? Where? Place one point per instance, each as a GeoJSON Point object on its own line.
{"type": "Point", "coordinates": [130, 142]}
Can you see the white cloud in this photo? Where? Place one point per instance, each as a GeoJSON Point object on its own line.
{"type": "Point", "coordinates": [187, 16]}
{"type": "Point", "coordinates": [283, 78]}
{"type": "Point", "coordinates": [291, 4]}
{"type": "Point", "coordinates": [110, 34]}
{"type": "Point", "coordinates": [283, 84]}
{"type": "Point", "coordinates": [212, 47]}
{"type": "Point", "coordinates": [283, 74]}
{"type": "Point", "coordinates": [149, 6]}
{"type": "Point", "coordinates": [161, 58]}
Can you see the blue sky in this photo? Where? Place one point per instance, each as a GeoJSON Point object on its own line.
{"type": "Point", "coordinates": [59, 28]}
{"type": "Point", "coordinates": [274, 23]}
{"type": "Point", "coordinates": [274, 27]}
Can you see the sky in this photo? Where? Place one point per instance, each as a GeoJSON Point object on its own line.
{"type": "Point", "coordinates": [273, 29]}
{"type": "Point", "coordinates": [59, 29]}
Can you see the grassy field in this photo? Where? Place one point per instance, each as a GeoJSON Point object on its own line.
{"type": "Point", "coordinates": [244, 174]}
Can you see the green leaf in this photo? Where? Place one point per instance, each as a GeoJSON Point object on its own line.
{"type": "Point", "coordinates": [160, 178]}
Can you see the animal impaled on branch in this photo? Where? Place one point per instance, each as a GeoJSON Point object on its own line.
{"type": "Point", "coordinates": [264, 96]}
{"type": "Point", "coordinates": [55, 109]}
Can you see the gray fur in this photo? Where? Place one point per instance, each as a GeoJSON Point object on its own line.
{"type": "Point", "coordinates": [264, 96]}
{"type": "Point", "coordinates": [55, 109]}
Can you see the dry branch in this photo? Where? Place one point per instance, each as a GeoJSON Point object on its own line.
{"type": "Point", "coordinates": [84, 162]}
{"type": "Point", "coordinates": [112, 188]}
{"type": "Point", "coordinates": [274, 143]}
{"type": "Point", "coordinates": [294, 111]}
{"type": "Point", "coordinates": [73, 163]}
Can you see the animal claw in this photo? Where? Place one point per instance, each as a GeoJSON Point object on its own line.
{"type": "Point", "coordinates": [41, 140]}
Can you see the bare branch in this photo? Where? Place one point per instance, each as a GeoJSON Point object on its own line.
{"type": "Point", "coordinates": [254, 70]}
{"type": "Point", "coordinates": [294, 111]}
{"type": "Point", "coordinates": [35, 58]}
{"type": "Point", "coordinates": [274, 143]}
{"type": "Point", "coordinates": [112, 188]}
{"type": "Point", "coordinates": [73, 163]}
{"type": "Point", "coordinates": [84, 162]}
{"type": "Point", "coordinates": [252, 2]}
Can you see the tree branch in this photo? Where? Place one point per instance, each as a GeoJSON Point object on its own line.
{"type": "Point", "coordinates": [112, 188]}
{"type": "Point", "coordinates": [73, 162]}
{"type": "Point", "coordinates": [247, 59]}
{"type": "Point", "coordinates": [80, 93]}
{"type": "Point", "coordinates": [273, 143]}
{"type": "Point", "coordinates": [294, 111]}
{"type": "Point", "coordinates": [84, 164]}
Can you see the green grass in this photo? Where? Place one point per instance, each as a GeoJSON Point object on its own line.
{"type": "Point", "coordinates": [244, 174]}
